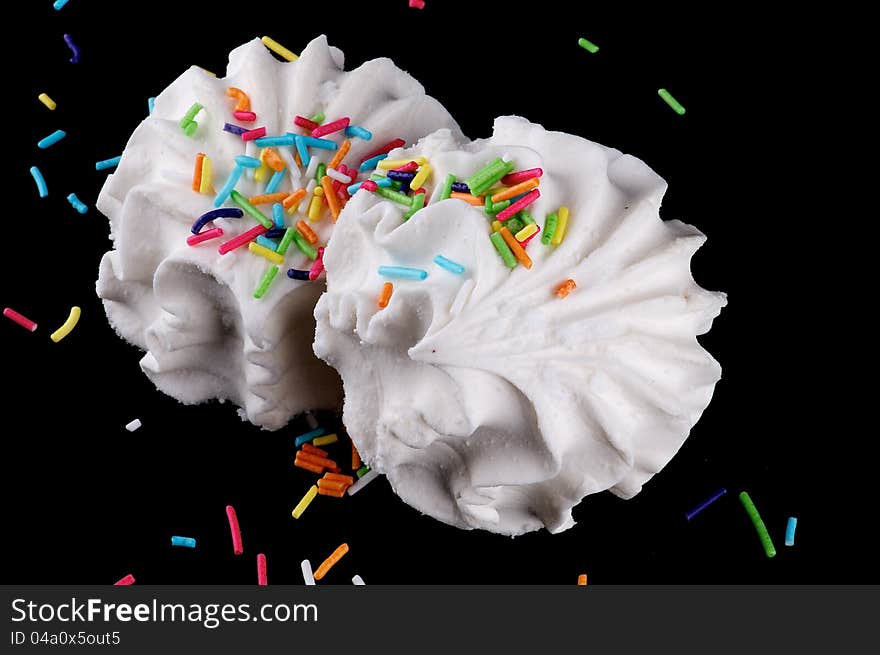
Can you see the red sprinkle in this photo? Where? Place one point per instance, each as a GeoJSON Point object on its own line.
{"type": "Point", "coordinates": [262, 578]}
{"type": "Point", "coordinates": [207, 235]}
{"type": "Point", "coordinates": [369, 185]}
{"type": "Point", "coordinates": [304, 122]}
{"type": "Point", "coordinates": [329, 128]}
{"type": "Point", "coordinates": [250, 135]}
{"type": "Point", "coordinates": [408, 168]}
{"type": "Point", "coordinates": [245, 116]}
{"type": "Point", "coordinates": [26, 323]}
{"type": "Point", "coordinates": [417, 4]}
{"type": "Point", "coordinates": [318, 265]}
{"type": "Point", "coordinates": [521, 176]}
{"type": "Point", "coordinates": [241, 239]}
{"type": "Point", "coordinates": [420, 190]}
{"type": "Point", "coordinates": [384, 150]}
{"type": "Point", "coordinates": [519, 205]}
{"type": "Point", "coordinates": [124, 582]}
{"type": "Point", "coordinates": [237, 548]}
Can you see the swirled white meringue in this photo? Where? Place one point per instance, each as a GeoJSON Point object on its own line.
{"type": "Point", "coordinates": [193, 310]}
{"type": "Point", "coordinates": [488, 401]}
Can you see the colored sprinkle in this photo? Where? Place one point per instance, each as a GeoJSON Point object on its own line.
{"type": "Point", "coordinates": [59, 4]}
{"type": "Point", "coordinates": [514, 246]}
{"type": "Point", "coordinates": [308, 436]}
{"type": "Point", "coordinates": [565, 288]}
{"type": "Point", "coordinates": [124, 582]}
{"type": "Point", "coordinates": [561, 224]}
{"type": "Point", "coordinates": [223, 212]}
{"type": "Point", "coordinates": [362, 482]}
{"type": "Point", "coordinates": [305, 123]}
{"type": "Point", "coordinates": [243, 102]}
{"type": "Point", "coordinates": [447, 187]}
{"type": "Point", "coordinates": [268, 198]}
{"type": "Point", "coordinates": [449, 265]}
{"type": "Point", "coordinates": [273, 160]}
{"type": "Point", "coordinates": [496, 225]}
{"type": "Point", "coordinates": [331, 127]}
{"type": "Point", "coordinates": [267, 242]}
{"type": "Point", "coordinates": [263, 251]}
{"type": "Point", "coordinates": [303, 245]}
{"type": "Point", "coordinates": [286, 240]}
{"type": "Point", "coordinates": [369, 185]}
{"type": "Point", "coordinates": [69, 324]}
{"type": "Point", "coordinates": [359, 132]}
{"type": "Point", "coordinates": [306, 566]}
{"type": "Point", "coordinates": [550, 224]}
{"type": "Point", "coordinates": [355, 456]}
{"type": "Point", "coordinates": [185, 542]}
{"type": "Point", "coordinates": [503, 250]}
{"type": "Point", "coordinates": [467, 197]}
{"type": "Point", "coordinates": [582, 580]}
{"type": "Point", "coordinates": [358, 580]}
{"type": "Point", "coordinates": [396, 196]}
{"type": "Point", "coordinates": [206, 177]}
{"type": "Point", "coordinates": [421, 176]}
{"type": "Point", "coordinates": [241, 239]}
{"type": "Point", "coordinates": [323, 144]}
{"type": "Point", "coordinates": [234, 530]}
{"type": "Point", "coordinates": [292, 201]}
{"type": "Point", "coordinates": [460, 187]}
{"type": "Point", "coordinates": [46, 100]}
{"type": "Point", "coordinates": [245, 116]}
{"type": "Point", "coordinates": [24, 322]}
{"type": "Point", "coordinates": [151, 104]}
{"type": "Point", "coordinates": [330, 195]}
{"type": "Point", "coordinates": [317, 118]}
{"type": "Point", "coordinates": [527, 232]}
{"type": "Point", "coordinates": [516, 189]}
{"type": "Point", "coordinates": [251, 135]}
{"type": "Point", "coordinates": [197, 172]}
{"type": "Point", "coordinates": [522, 176]}
{"type": "Point", "coordinates": [362, 471]}
{"type": "Point", "coordinates": [207, 235]}
{"type": "Point", "coordinates": [484, 178]}
{"type": "Point", "coordinates": [403, 271]}
{"type": "Point", "coordinates": [262, 578]}
{"type": "Point", "coordinates": [297, 274]}
{"type": "Point", "coordinates": [278, 49]}
{"type": "Point", "coordinates": [385, 296]}
{"type": "Point", "coordinates": [278, 215]}
{"type": "Point", "coordinates": [234, 129]}
{"type": "Point", "coordinates": [790, 527]}
{"type": "Point", "coordinates": [247, 162]}
{"type": "Point", "coordinates": [340, 154]}
{"type": "Point", "coordinates": [305, 502]}
{"type": "Point", "coordinates": [699, 508]}
{"type": "Point", "coordinates": [323, 441]}
{"type": "Point", "coordinates": [384, 150]}
{"type": "Point", "coordinates": [304, 229]}
{"type": "Point", "coordinates": [328, 563]}
{"type": "Point", "coordinates": [73, 48]}
{"type": "Point", "coordinates": [588, 45]}
{"type": "Point", "coordinates": [271, 272]}
{"type": "Point", "coordinates": [672, 102]}
{"type": "Point", "coordinates": [113, 162]}
{"type": "Point", "coordinates": [188, 121]}
{"type": "Point", "coordinates": [390, 164]}
{"type": "Point", "coordinates": [266, 141]}
{"type": "Point", "coordinates": [303, 151]}
{"type": "Point", "coordinates": [42, 189]}
{"type": "Point", "coordinates": [77, 204]}
{"type": "Point", "coordinates": [752, 511]}
{"type": "Point", "coordinates": [418, 202]}
{"type": "Point", "coordinates": [51, 140]}
{"type": "Point", "coordinates": [417, 4]}
{"type": "Point", "coordinates": [250, 210]}
{"type": "Point", "coordinates": [274, 183]}
{"type": "Point", "coordinates": [276, 233]}
{"type": "Point", "coordinates": [520, 204]}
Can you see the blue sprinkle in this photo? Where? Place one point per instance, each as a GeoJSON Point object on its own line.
{"type": "Point", "coordinates": [323, 144]}
{"type": "Point", "coordinates": [460, 187]}
{"type": "Point", "coordinates": [267, 141]}
{"type": "Point", "coordinates": [385, 182]}
{"type": "Point", "coordinates": [278, 215]}
{"type": "Point", "coordinates": [296, 274]}
{"type": "Point", "coordinates": [59, 4]}
{"type": "Point", "coordinates": [73, 48]}
{"type": "Point", "coordinates": [276, 232]}
{"type": "Point", "coordinates": [41, 183]}
{"type": "Point", "coordinates": [151, 104]}
{"type": "Point", "coordinates": [229, 186]}
{"type": "Point", "coordinates": [790, 527]}
{"type": "Point", "coordinates": [234, 129]}
{"type": "Point", "coordinates": [186, 542]}
{"type": "Point", "coordinates": [353, 189]}
{"type": "Point", "coordinates": [108, 163]}
{"type": "Point", "coordinates": [276, 181]}
{"type": "Point", "coordinates": [52, 139]}
{"type": "Point", "coordinates": [248, 162]}
{"type": "Point", "coordinates": [359, 132]}
{"type": "Point", "coordinates": [449, 265]}
{"type": "Point", "coordinates": [223, 212]}
{"type": "Point", "coordinates": [77, 204]}
{"type": "Point", "coordinates": [308, 436]}
{"type": "Point", "coordinates": [370, 164]}
{"type": "Point", "coordinates": [303, 150]}
{"type": "Point", "coordinates": [403, 271]}
{"type": "Point", "coordinates": [268, 243]}
{"type": "Point", "coordinates": [699, 508]}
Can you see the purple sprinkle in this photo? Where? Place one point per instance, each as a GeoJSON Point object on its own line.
{"type": "Point", "coordinates": [275, 233]}
{"type": "Point", "coordinates": [223, 212]}
{"type": "Point", "coordinates": [296, 274]}
{"type": "Point", "coordinates": [401, 176]}
{"type": "Point", "coordinates": [699, 508]}
{"type": "Point", "coordinates": [73, 48]}
{"type": "Point", "coordinates": [460, 187]}
{"type": "Point", "coordinates": [235, 129]}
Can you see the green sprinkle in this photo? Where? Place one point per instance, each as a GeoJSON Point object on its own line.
{"type": "Point", "coordinates": [318, 118]}
{"type": "Point", "coordinates": [503, 250]}
{"type": "Point", "coordinates": [190, 129]}
{"type": "Point", "coordinates": [250, 210]}
{"type": "Point", "coordinates": [321, 172]}
{"type": "Point", "coordinates": [396, 196]}
{"type": "Point", "coordinates": [447, 187]}
{"type": "Point", "coordinates": [588, 45]}
{"type": "Point", "coordinates": [672, 102]}
{"type": "Point", "coordinates": [514, 224]}
{"type": "Point", "coordinates": [488, 203]}
{"type": "Point", "coordinates": [266, 281]}
{"type": "Point", "coordinates": [499, 206]}
{"type": "Point", "coordinates": [417, 203]}
{"type": "Point", "coordinates": [189, 116]}
{"type": "Point", "coordinates": [285, 241]}
{"type": "Point", "coordinates": [362, 471]}
{"type": "Point", "coordinates": [483, 173]}
{"type": "Point", "coordinates": [303, 245]}
{"type": "Point", "coordinates": [752, 511]}
{"type": "Point", "coordinates": [481, 187]}
{"type": "Point", "coordinates": [549, 228]}
{"type": "Point", "coordinates": [526, 218]}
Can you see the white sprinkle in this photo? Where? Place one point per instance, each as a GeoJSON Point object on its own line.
{"type": "Point", "coordinates": [339, 177]}
{"type": "Point", "coordinates": [363, 482]}
{"type": "Point", "coordinates": [312, 168]}
{"type": "Point", "coordinates": [307, 573]}
{"type": "Point", "coordinates": [310, 187]}
{"type": "Point", "coordinates": [358, 580]}
{"type": "Point", "coordinates": [134, 425]}
{"type": "Point", "coordinates": [463, 296]}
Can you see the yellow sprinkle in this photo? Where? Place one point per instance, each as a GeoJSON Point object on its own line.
{"type": "Point", "coordinates": [561, 224]}
{"type": "Point", "coordinates": [205, 70]}
{"type": "Point", "coordinates": [496, 226]}
{"type": "Point", "coordinates": [315, 206]}
{"type": "Point", "coordinates": [263, 251]}
{"type": "Point", "coordinates": [46, 100]}
{"type": "Point", "coordinates": [69, 324]}
{"type": "Point", "coordinates": [278, 49]}
{"type": "Point", "coordinates": [388, 164]}
{"type": "Point", "coordinates": [527, 231]}
{"type": "Point", "coordinates": [305, 502]}
{"type": "Point", "coordinates": [420, 177]}
{"type": "Point", "coordinates": [323, 441]}
{"type": "Point", "coordinates": [205, 186]}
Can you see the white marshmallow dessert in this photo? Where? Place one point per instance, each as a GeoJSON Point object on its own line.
{"type": "Point", "coordinates": [194, 310]}
{"type": "Point", "coordinates": [489, 397]}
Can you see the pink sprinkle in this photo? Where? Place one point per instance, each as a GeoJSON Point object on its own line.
{"type": "Point", "coordinates": [417, 4]}
{"type": "Point", "coordinates": [318, 265]}
{"type": "Point", "coordinates": [304, 122]}
{"type": "Point", "coordinates": [369, 185]}
{"type": "Point", "coordinates": [519, 205]}
{"type": "Point", "coordinates": [329, 128]}
{"type": "Point", "coordinates": [250, 135]}
{"type": "Point", "coordinates": [237, 548]}
{"type": "Point", "coordinates": [521, 176]}
{"type": "Point", "coordinates": [408, 168]}
{"type": "Point", "coordinates": [241, 239]}
{"type": "Point", "coordinates": [26, 323]}
{"type": "Point", "coordinates": [124, 582]}
{"type": "Point", "coordinates": [245, 116]}
{"type": "Point", "coordinates": [207, 235]}
{"type": "Point", "coordinates": [420, 190]}
{"type": "Point", "coordinates": [262, 578]}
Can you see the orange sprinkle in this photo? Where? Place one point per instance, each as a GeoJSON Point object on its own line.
{"type": "Point", "coordinates": [273, 160]}
{"type": "Point", "coordinates": [336, 493]}
{"type": "Point", "coordinates": [385, 296]}
{"type": "Point", "coordinates": [316, 460]}
{"type": "Point", "coordinates": [336, 477]}
{"type": "Point", "coordinates": [566, 288]}
{"type": "Point", "coordinates": [355, 458]}
{"type": "Point", "coordinates": [314, 450]}
{"type": "Point", "coordinates": [330, 196]}
{"type": "Point", "coordinates": [243, 102]}
{"type": "Point", "coordinates": [294, 199]}
{"type": "Point", "coordinates": [332, 484]}
{"type": "Point", "coordinates": [515, 248]}
{"type": "Point", "coordinates": [516, 189]}
{"type": "Point", "coordinates": [268, 198]}
{"type": "Point", "coordinates": [582, 580]}
{"type": "Point", "coordinates": [297, 159]}
{"type": "Point", "coordinates": [328, 563]}
{"type": "Point", "coordinates": [476, 201]}
{"type": "Point", "coordinates": [308, 467]}
{"type": "Point", "coordinates": [307, 232]}
{"type": "Point", "coordinates": [197, 172]}
{"type": "Point", "coordinates": [340, 154]}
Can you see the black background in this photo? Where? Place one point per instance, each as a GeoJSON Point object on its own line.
{"type": "Point", "coordinates": [85, 501]}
